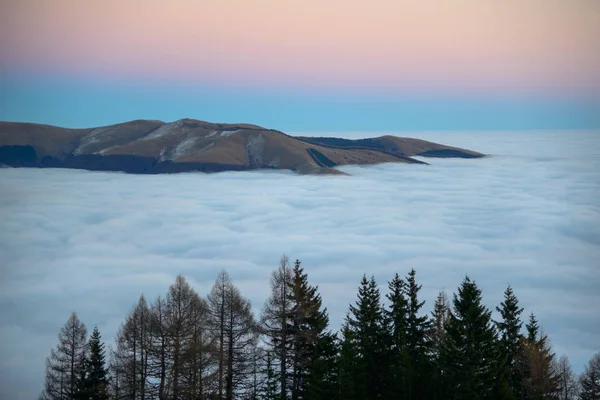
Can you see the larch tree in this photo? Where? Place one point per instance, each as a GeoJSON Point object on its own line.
{"type": "Point", "coordinates": [590, 380]}
{"type": "Point", "coordinates": [235, 332]}
{"type": "Point", "coordinates": [64, 365]}
{"type": "Point", "coordinates": [180, 308]}
{"type": "Point", "coordinates": [568, 386]}
{"type": "Point", "coordinates": [276, 323]}
{"type": "Point", "coordinates": [133, 348]}
{"type": "Point", "coordinates": [199, 353]}
{"type": "Point", "coordinates": [160, 348]}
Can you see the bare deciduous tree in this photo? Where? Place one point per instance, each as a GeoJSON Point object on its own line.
{"type": "Point", "coordinates": [275, 320]}
{"type": "Point", "coordinates": [64, 365]}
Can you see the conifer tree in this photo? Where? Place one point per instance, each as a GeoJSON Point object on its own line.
{"type": "Point", "coordinates": [396, 322]}
{"type": "Point", "coordinates": [347, 364]}
{"type": "Point", "coordinates": [541, 380]}
{"type": "Point", "coordinates": [94, 382]}
{"type": "Point", "coordinates": [270, 389]}
{"type": "Point", "coordinates": [439, 317]}
{"type": "Point", "coordinates": [509, 329]}
{"type": "Point", "coordinates": [419, 345]}
{"type": "Point", "coordinates": [469, 356]}
{"type": "Point", "coordinates": [308, 324]}
{"type": "Point", "coordinates": [366, 324]}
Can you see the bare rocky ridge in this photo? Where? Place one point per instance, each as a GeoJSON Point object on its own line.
{"type": "Point", "coordinates": [148, 146]}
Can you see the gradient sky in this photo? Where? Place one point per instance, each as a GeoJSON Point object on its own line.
{"type": "Point", "coordinates": [304, 65]}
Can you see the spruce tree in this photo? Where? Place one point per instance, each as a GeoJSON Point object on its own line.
{"type": "Point", "coordinates": [509, 329]}
{"type": "Point", "coordinates": [347, 364]}
{"type": "Point", "coordinates": [396, 322]}
{"type": "Point", "coordinates": [366, 323]}
{"type": "Point", "coordinates": [270, 388]}
{"type": "Point", "coordinates": [439, 317]}
{"type": "Point", "coordinates": [541, 380]}
{"type": "Point", "coordinates": [469, 356]}
{"type": "Point", "coordinates": [308, 324]}
{"type": "Point", "coordinates": [419, 345]}
{"type": "Point", "coordinates": [94, 385]}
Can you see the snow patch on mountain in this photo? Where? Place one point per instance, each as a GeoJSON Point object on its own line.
{"type": "Point", "coordinates": [229, 133]}
{"type": "Point", "coordinates": [93, 137]}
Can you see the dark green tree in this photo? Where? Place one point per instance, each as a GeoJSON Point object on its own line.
{"type": "Point", "coordinates": [509, 329]}
{"type": "Point", "coordinates": [366, 323]}
{"type": "Point", "coordinates": [314, 348]}
{"type": "Point", "coordinates": [347, 365]}
{"type": "Point", "coordinates": [533, 328]}
{"type": "Point", "coordinates": [308, 324]}
{"type": "Point", "coordinates": [322, 379]}
{"type": "Point", "coordinates": [470, 352]}
{"type": "Point", "coordinates": [270, 387]}
{"type": "Point", "coordinates": [439, 318]}
{"type": "Point", "coordinates": [94, 380]}
{"type": "Point", "coordinates": [418, 341]}
{"type": "Point", "coordinates": [396, 323]}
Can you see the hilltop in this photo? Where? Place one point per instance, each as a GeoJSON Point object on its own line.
{"type": "Point", "coordinates": [150, 147]}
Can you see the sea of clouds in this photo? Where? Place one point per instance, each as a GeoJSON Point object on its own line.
{"type": "Point", "coordinates": [92, 242]}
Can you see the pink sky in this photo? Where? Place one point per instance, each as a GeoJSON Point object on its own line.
{"type": "Point", "coordinates": [381, 45]}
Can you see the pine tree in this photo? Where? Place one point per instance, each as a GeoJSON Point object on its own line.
{"type": "Point", "coordinates": [469, 356]}
{"type": "Point", "coordinates": [509, 329]}
{"type": "Point", "coordinates": [590, 380]}
{"type": "Point", "coordinates": [366, 324]}
{"type": "Point", "coordinates": [64, 366]}
{"type": "Point", "coordinates": [94, 382]}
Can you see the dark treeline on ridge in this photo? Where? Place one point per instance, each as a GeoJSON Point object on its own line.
{"type": "Point", "coordinates": [183, 346]}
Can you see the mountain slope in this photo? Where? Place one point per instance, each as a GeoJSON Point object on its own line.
{"type": "Point", "coordinates": [148, 146]}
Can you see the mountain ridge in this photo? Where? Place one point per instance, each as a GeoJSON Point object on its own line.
{"type": "Point", "coordinates": [153, 146]}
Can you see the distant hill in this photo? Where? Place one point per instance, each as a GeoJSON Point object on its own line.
{"type": "Point", "coordinates": [151, 147]}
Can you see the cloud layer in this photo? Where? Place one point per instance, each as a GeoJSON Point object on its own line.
{"type": "Point", "coordinates": [92, 242]}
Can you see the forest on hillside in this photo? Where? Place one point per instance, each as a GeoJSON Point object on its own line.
{"type": "Point", "coordinates": [184, 346]}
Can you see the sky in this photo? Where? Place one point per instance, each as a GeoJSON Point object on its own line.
{"type": "Point", "coordinates": [93, 242]}
{"type": "Point", "coordinates": [304, 64]}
